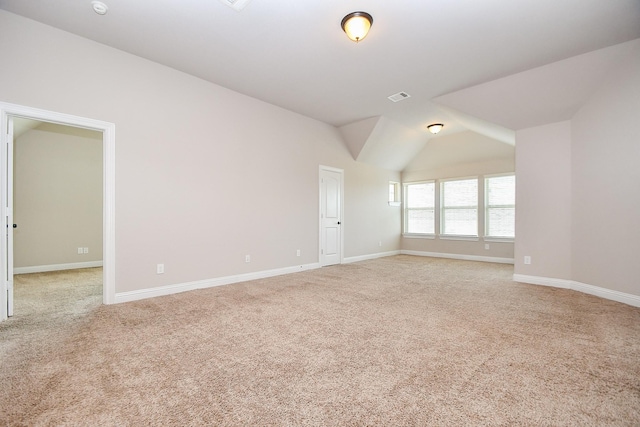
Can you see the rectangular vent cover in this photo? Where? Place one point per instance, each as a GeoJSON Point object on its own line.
{"type": "Point", "coordinates": [399, 96]}
{"type": "Point", "coordinates": [236, 4]}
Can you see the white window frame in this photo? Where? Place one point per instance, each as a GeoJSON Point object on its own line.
{"type": "Point", "coordinates": [396, 193]}
{"type": "Point", "coordinates": [406, 209]}
{"type": "Point", "coordinates": [489, 238]}
{"type": "Point", "coordinates": [443, 235]}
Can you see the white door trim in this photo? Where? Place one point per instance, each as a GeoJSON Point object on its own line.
{"type": "Point", "coordinates": [320, 248]}
{"type": "Point", "coordinates": [108, 158]}
{"type": "Point", "coordinates": [7, 202]}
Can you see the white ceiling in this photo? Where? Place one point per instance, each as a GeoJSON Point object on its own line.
{"type": "Point", "coordinates": [542, 95]}
{"type": "Point", "coordinates": [294, 54]}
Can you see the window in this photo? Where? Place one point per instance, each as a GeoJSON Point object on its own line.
{"type": "Point", "coordinates": [459, 215]}
{"type": "Point", "coordinates": [500, 201]}
{"type": "Point", "coordinates": [419, 209]}
{"type": "Point", "coordinates": [394, 193]}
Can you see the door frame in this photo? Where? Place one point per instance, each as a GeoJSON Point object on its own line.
{"type": "Point", "coordinates": [108, 189]}
{"type": "Point", "coordinates": [320, 248]}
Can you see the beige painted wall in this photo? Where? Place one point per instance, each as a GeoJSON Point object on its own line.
{"type": "Point", "coordinates": [578, 195]}
{"type": "Point", "coordinates": [204, 175]}
{"type": "Point", "coordinates": [606, 183]}
{"type": "Point", "coordinates": [57, 196]}
{"type": "Point", "coordinates": [461, 155]}
{"type": "Point", "coordinates": [543, 201]}
{"type": "Point", "coordinates": [368, 189]}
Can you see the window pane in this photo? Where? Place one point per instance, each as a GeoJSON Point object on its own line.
{"type": "Point", "coordinates": [460, 207]}
{"type": "Point", "coordinates": [501, 201]}
{"type": "Point", "coordinates": [501, 222]}
{"type": "Point", "coordinates": [460, 222]}
{"type": "Point", "coordinates": [419, 215]}
{"type": "Point", "coordinates": [501, 190]}
{"type": "Point", "coordinates": [460, 193]}
{"type": "Point", "coordinates": [421, 195]}
{"type": "Point", "coordinates": [421, 221]}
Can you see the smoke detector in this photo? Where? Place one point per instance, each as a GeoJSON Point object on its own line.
{"type": "Point", "coordinates": [236, 4]}
{"type": "Point", "coordinates": [399, 96]}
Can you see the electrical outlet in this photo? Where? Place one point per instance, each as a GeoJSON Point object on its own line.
{"type": "Point", "coordinates": [80, 251]}
{"type": "Point", "coordinates": [247, 258]}
{"type": "Point", "coordinates": [298, 252]}
{"type": "Point", "coordinates": [380, 243]}
{"type": "Point", "coordinates": [160, 269]}
{"type": "Point", "coordinates": [85, 250]}
{"type": "Point", "coordinates": [486, 246]}
{"type": "Point", "coordinates": [527, 260]}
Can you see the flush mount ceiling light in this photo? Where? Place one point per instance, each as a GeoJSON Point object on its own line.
{"type": "Point", "coordinates": [356, 25]}
{"type": "Point", "coordinates": [435, 128]}
{"type": "Point", "coordinates": [99, 7]}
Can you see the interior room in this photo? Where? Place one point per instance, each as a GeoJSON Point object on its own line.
{"type": "Point", "coordinates": [247, 156]}
{"type": "Point", "coordinates": [57, 197]}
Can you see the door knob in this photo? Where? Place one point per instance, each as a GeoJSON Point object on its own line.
{"type": "Point", "coordinates": [15, 225]}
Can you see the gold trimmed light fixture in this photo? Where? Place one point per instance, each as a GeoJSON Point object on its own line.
{"type": "Point", "coordinates": [356, 25]}
{"type": "Point", "coordinates": [435, 128]}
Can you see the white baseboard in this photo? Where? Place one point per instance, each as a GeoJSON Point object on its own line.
{"type": "Point", "coordinates": [459, 256]}
{"type": "Point", "coordinates": [208, 283]}
{"type": "Point", "coordinates": [370, 256]}
{"type": "Point", "coordinates": [220, 281]}
{"type": "Point", "coordinates": [56, 267]}
{"type": "Point", "coordinates": [630, 299]}
{"type": "Point", "coordinates": [543, 281]}
{"type": "Point", "coordinates": [633, 300]}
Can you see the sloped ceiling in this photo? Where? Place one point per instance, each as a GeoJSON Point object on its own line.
{"type": "Point", "coordinates": [295, 55]}
{"type": "Point", "coordinates": [442, 156]}
{"type": "Point", "coordinates": [542, 95]}
{"type": "Point", "coordinates": [381, 142]}
{"type": "Point", "coordinates": [21, 126]}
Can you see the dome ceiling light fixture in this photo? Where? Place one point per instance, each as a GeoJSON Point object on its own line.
{"type": "Point", "coordinates": [356, 25]}
{"type": "Point", "coordinates": [435, 128]}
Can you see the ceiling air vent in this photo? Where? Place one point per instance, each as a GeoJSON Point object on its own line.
{"type": "Point", "coordinates": [236, 4]}
{"type": "Point", "coordinates": [399, 96]}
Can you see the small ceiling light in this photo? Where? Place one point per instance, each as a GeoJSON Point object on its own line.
{"type": "Point", "coordinates": [99, 7]}
{"type": "Point", "coordinates": [435, 128]}
{"type": "Point", "coordinates": [356, 25]}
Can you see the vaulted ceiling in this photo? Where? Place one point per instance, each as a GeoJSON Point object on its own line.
{"type": "Point", "coordinates": [490, 66]}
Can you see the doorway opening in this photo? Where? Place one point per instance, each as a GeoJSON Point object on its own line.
{"type": "Point", "coordinates": [11, 113]}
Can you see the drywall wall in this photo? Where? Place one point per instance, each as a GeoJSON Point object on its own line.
{"type": "Point", "coordinates": [204, 175]}
{"type": "Point", "coordinates": [578, 201]}
{"type": "Point", "coordinates": [368, 189]}
{"type": "Point", "coordinates": [57, 196]}
{"type": "Point", "coordinates": [461, 155]}
{"type": "Point", "coordinates": [543, 201]}
{"type": "Point", "coordinates": [605, 169]}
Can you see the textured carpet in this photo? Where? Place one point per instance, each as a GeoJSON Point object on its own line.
{"type": "Point", "coordinates": [398, 341]}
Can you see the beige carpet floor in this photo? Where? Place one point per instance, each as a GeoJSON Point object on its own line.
{"type": "Point", "coordinates": [398, 341]}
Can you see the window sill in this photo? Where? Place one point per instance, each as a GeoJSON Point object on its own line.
{"type": "Point", "coordinates": [419, 236]}
{"type": "Point", "coordinates": [499, 239]}
{"type": "Point", "coordinates": [463, 238]}
{"type": "Point", "coordinates": [394, 203]}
